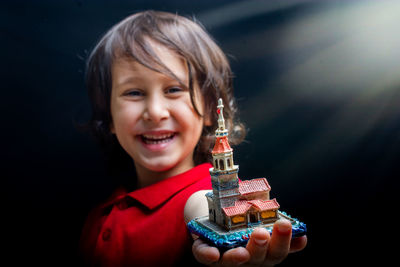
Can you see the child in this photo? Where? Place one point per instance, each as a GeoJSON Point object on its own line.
{"type": "Point", "coordinates": [154, 80]}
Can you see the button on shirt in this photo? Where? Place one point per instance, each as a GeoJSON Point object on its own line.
{"type": "Point", "coordinates": [144, 227]}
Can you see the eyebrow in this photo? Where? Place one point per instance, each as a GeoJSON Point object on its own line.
{"type": "Point", "coordinates": [132, 78]}
{"type": "Point", "coordinates": [129, 79]}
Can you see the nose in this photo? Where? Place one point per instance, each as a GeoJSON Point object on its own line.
{"type": "Point", "coordinates": [156, 109]}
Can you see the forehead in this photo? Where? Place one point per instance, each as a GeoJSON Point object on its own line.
{"type": "Point", "coordinates": [164, 60]}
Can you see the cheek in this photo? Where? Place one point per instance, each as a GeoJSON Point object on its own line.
{"type": "Point", "coordinates": [125, 117]}
{"type": "Point", "coordinates": [185, 111]}
{"type": "Point", "coordinates": [193, 124]}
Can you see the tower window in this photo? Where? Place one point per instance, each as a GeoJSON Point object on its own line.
{"type": "Point", "coordinates": [229, 163]}
{"type": "Point", "coordinates": [216, 164]}
{"type": "Point", "coordinates": [221, 164]}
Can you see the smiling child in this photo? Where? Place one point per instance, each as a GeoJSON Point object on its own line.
{"type": "Point", "coordinates": [153, 81]}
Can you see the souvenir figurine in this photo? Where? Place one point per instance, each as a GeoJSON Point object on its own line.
{"type": "Point", "coordinates": [236, 207]}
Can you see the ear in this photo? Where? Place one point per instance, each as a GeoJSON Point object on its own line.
{"type": "Point", "coordinates": [207, 119]}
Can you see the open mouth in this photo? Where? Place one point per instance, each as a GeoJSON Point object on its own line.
{"type": "Point", "coordinates": [157, 139]}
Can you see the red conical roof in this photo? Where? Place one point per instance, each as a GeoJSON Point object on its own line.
{"type": "Point", "coordinates": [221, 145]}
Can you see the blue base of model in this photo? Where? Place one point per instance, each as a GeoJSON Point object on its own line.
{"type": "Point", "coordinates": [239, 237]}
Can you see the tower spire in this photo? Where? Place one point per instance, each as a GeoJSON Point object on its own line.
{"type": "Point", "coordinates": [222, 151]}
{"type": "Point", "coordinates": [221, 131]}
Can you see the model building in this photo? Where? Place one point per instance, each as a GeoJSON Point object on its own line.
{"type": "Point", "coordinates": [236, 207]}
{"type": "Point", "coordinates": [233, 203]}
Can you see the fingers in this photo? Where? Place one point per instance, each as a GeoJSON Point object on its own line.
{"type": "Point", "coordinates": [298, 244]}
{"type": "Point", "coordinates": [208, 255]}
{"type": "Point", "coordinates": [257, 245]}
{"type": "Point", "coordinates": [204, 253]}
{"type": "Point", "coordinates": [262, 248]}
{"type": "Point", "coordinates": [280, 242]}
{"type": "Point", "coordinates": [235, 257]}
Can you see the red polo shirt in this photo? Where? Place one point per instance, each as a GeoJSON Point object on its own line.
{"type": "Point", "coordinates": [144, 227]}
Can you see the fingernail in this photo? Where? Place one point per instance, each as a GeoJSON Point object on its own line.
{"type": "Point", "coordinates": [283, 226]}
{"type": "Point", "coordinates": [260, 237]}
{"type": "Point", "coordinates": [260, 242]}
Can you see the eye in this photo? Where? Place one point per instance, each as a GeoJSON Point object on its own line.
{"type": "Point", "coordinates": [174, 90]}
{"type": "Point", "coordinates": [134, 93]}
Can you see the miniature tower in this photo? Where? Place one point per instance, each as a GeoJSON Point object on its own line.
{"type": "Point", "coordinates": [224, 174]}
{"type": "Point", "coordinates": [236, 207]}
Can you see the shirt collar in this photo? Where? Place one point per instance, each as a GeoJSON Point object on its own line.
{"type": "Point", "coordinates": [153, 195]}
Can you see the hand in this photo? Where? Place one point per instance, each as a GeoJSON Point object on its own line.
{"type": "Point", "coordinates": [261, 250]}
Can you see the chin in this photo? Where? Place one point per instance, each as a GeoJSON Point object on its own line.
{"type": "Point", "coordinates": [161, 167]}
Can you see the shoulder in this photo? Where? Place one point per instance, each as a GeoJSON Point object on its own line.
{"type": "Point", "coordinates": [196, 205]}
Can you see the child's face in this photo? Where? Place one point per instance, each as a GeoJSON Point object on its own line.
{"type": "Point", "coordinates": [153, 117]}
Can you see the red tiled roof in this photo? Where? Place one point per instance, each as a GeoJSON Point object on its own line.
{"type": "Point", "coordinates": [242, 206]}
{"type": "Point", "coordinates": [254, 185]}
{"type": "Point", "coordinates": [264, 205]}
{"type": "Point", "coordinates": [221, 145]}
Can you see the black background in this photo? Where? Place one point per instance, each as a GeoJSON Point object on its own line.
{"type": "Point", "coordinates": [318, 86]}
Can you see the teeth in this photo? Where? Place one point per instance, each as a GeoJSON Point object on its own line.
{"type": "Point", "coordinates": [157, 137]}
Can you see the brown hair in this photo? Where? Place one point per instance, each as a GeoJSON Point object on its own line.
{"type": "Point", "coordinates": [207, 64]}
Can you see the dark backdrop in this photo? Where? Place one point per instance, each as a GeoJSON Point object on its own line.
{"type": "Point", "coordinates": [318, 86]}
